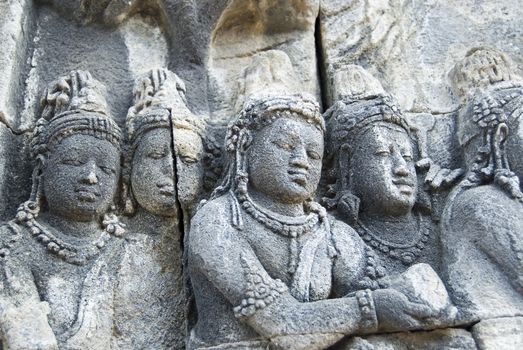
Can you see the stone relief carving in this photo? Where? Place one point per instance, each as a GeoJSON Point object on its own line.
{"type": "Point", "coordinates": [371, 153]}
{"type": "Point", "coordinates": [99, 258]}
{"type": "Point", "coordinates": [481, 225]}
{"type": "Point", "coordinates": [60, 253]}
{"type": "Point", "coordinates": [264, 257]}
{"type": "Point", "coordinates": [152, 314]}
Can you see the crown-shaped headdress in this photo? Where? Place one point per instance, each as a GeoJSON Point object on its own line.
{"type": "Point", "coordinates": [73, 104]}
{"type": "Point", "coordinates": [159, 100]}
{"type": "Point", "coordinates": [362, 104]}
{"type": "Point", "coordinates": [493, 91]}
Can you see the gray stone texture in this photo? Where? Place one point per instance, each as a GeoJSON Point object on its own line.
{"type": "Point", "coordinates": [244, 174]}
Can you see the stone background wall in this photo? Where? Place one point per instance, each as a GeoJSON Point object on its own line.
{"type": "Point", "coordinates": [409, 45]}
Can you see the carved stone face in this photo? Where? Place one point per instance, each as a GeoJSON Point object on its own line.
{"type": "Point", "coordinates": [189, 150]}
{"type": "Point", "coordinates": [284, 160]}
{"type": "Point", "coordinates": [80, 177]}
{"type": "Point", "coordinates": [382, 170]}
{"type": "Point", "coordinates": [152, 173]}
{"type": "Point", "coordinates": [515, 149]}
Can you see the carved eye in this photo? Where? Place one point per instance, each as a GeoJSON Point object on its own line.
{"type": "Point", "coordinates": [382, 153]}
{"type": "Point", "coordinates": [70, 161]}
{"type": "Point", "coordinates": [188, 159]}
{"type": "Point", "coordinates": [156, 155]}
{"type": "Point", "coordinates": [284, 145]}
{"type": "Point", "coordinates": [407, 157]}
{"type": "Point", "coordinates": [108, 170]}
{"type": "Point", "coordinates": [313, 154]}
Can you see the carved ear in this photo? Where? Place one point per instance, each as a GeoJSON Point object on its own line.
{"type": "Point", "coordinates": [37, 187]}
{"type": "Point", "coordinates": [40, 162]}
{"type": "Point", "coordinates": [501, 134]}
{"type": "Point", "coordinates": [343, 164]}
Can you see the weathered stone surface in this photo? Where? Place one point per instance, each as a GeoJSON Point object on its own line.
{"type": "Point", "coordinates": [60, 253]}
{"type": "Point", "coordinates": [499, 333]}
{"type": "Point", "coordinates": [451, 339]}
{"type": "Point", "coordinates": [247, 28]}
{"type": "Point", "coordinates": [373, 176]}
{"type": "Point", "coordinates": [420, 233]}
{"type": "Point", "coordinates": [485, 206]}
{"type": "Point", "coordinates": [412, 46]}
{"type": "Point", "coordinates": [15, 27]}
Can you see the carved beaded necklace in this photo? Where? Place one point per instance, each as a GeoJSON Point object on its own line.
{"type": "Point", "coordinates": [292, 228]}
{"type": "Point", "coordinates": [279, 225]}
{"type": "Point", "coordinates": [407, 252]}
{"type": "Point", "coordinates": [69, 253]}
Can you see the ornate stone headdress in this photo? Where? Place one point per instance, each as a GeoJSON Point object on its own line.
{"type": "Point", "coordinates": [362, 104]}
{"type": "Point", "coordinates": [159, 102]}
{"type": "Point", "coordinates": [494, 98]}
{"type": "Point", "coordinates": [482, 67]}
{"type": "Point", "coordinates": [73, 104]}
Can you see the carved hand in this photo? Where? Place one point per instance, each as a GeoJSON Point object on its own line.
{"type": "Point", "coordinates": [438, 177]}
{"type": "Point", "coordinates": [395, 312]}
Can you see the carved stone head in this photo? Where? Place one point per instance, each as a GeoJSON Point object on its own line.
{"type": "Point", "coordinates": [165, 147]}
{"type": "Point", "coordinates": [76, 145]}
{"type": "Point", "coordinates": [488, 127]}
{"type": "Point", "coordinates": [481, 67]}
{"type": "Point", "coordinates": [371, 153]}
{"type": "Point", "coordinates": [275, 147]}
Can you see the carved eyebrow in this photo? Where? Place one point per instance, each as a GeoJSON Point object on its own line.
{"type": "Point", "coordinates": [287, 136]}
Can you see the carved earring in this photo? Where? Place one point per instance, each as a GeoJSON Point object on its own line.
{"type": "Point", "coordinates": [500, 136]}
{"type": "Point", "coordinates": [112, 224]}
{"type": "Point", "coordinates": [128, 199]}
{"type": "Point", "coordinates": [37, 187]}
{"type": "Point", "coordinates": [503, 176]}
{"type": "Point", "coordinates": [349, 207]}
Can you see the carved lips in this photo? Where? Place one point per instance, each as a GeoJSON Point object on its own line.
{"type": "Point", "coordinates": [405, 186]}
{"type": "Point", "coordinates": [167, 190]}
{"type": "Point", "coordinates": [87, 194]}
{"type": "Point", "coordinates": [298, 176]}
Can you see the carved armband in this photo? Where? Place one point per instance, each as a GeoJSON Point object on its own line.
{"type": "Point", "coordinates": [261, 290]}
{"type": "Point", "coordinates": [369, 319]}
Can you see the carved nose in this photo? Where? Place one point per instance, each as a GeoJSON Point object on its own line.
{"type": "Point", "coordinates": [300, 163]}
{"type": "Point", "coordinates": [401, 170]}
{"type": "Point", "coordinates": [167, 167]}
{"type": "Point", "coordinates": [90, 178]}
{"type": "Point", "coordinates": [299, 159]}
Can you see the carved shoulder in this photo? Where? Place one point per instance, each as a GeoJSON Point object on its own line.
{"type": "Point", "coordinates": [345, 237]}
{"type": "Point", "coordinates": [485, 208]}
{"type": "Point", "coordinates": [355, 266]}
{"type": "Point", "coordinates": [212, 221]}
{"type": "Point", "coordinates": [216, 250]}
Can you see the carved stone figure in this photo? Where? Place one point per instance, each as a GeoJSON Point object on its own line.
{"type": "Point", "coordinates": [264, 257]}
{"type": "Point", "coordinates": [161, 93]}
{"type": "Point", "coordinates": [61, 252]}
{"type": "Point", "coordinates": [152, 314]}
{"type": "Point", "coordinates": [482, 224]}
{"type": "Point", "coordinates": [373, 185]}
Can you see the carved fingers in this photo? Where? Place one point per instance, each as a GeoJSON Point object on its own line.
{"type": "Point", "coordinates": [437, 177]}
